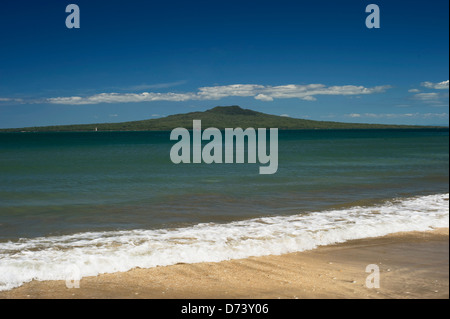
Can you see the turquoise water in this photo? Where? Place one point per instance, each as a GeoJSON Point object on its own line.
{"type": "Point", "coordinates": [66, 183]}
{"type": "Point", "coordinates": [82, 204]}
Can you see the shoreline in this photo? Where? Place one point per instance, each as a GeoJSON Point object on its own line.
{"type": "Point", "coordinates": [411, 264]}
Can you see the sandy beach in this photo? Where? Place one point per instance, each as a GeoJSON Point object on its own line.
{"type": "Point", "coordinates": [412, 265]}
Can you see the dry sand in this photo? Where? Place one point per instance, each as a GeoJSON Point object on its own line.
{"type": "Point", "coordinates": [412, 265]}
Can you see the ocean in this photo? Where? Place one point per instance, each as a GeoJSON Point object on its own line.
{"type": "Point", "coordinates": [105, 202]}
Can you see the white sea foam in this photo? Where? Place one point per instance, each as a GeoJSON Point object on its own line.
{"type": "Point", "coordinates": [93, 253]}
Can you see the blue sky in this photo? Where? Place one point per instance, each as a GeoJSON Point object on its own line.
{"type": "Point", "coordinates": [133, 60]}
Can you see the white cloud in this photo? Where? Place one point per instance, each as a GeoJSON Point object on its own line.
{"type": "Point", "coordinates": [308, 92]}
{"type": "Point", "coordinates": [260, 92]}
{"type": "Point", "coordinates": [285, 115]}
{"type": "Point", "coordinates": [309, 98]}
{"type": "Point", "coordinates": [414, 91]}
{"type": "Point", "coordinates": [121, 98]}
{"type": "Point", "coordinates": [437, 99]}
{"type": "Point", "coordinates": [427, 96]}
{"type": "Point", "coordinates": [13, 100]}
{"type": "Point", "coordinates": [218, 92]}
{"type": "Point", "coordinates": [263, 97]}
{"type": "Point", "coordinates": [437, 86]}
{"type": "Point", "coordinates": [401, 115]}
{"type": "Point", "coordinates": [435, 115]}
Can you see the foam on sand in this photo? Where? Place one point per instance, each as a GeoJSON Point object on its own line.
{"type": "Point", "coordinates": [93, 253]}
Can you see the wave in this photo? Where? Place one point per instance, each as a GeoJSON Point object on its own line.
{"type": "Point", "coordinates": [94, 253]}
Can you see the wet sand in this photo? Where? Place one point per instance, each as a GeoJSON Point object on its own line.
{"type": "Point", "coordinates": [412, 265]}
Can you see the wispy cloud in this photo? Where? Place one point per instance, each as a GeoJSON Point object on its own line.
{"type": "Point", "coordinates": [400, 115]}
{"type": "Point", "coordinates": [121, 98]}
{"type": "Point", "coordinates": [436, 98]}
{"type": "Point", "coordinates": [260, 92]}
{"type": "Point", "coordinates": [433, 99]}
{"type": "Point", "coordinates": [141, 87]}
{"type": "Point", "coordinates": [437, 86]}
{"type": "Point", "coordinates": [12, 100]}
{"type": "Point", "coordinates": [427, 96]}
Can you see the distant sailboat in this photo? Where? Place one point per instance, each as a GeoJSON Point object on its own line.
{"type": "Point", "coordinates": [95, 130]}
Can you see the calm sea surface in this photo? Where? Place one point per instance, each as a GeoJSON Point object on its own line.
{"type": "Point", "coordinates": [62, 183]}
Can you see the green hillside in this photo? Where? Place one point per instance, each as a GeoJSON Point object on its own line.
{"type": "Point", "coordinates": [220, 117]}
